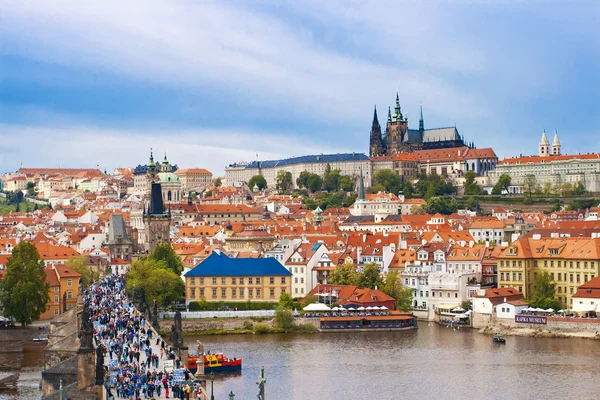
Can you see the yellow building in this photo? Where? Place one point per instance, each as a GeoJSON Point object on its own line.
{"type": "Point", "coordinates": [569, 261]}
{"type": "Point", "coordinates": [220, 278]}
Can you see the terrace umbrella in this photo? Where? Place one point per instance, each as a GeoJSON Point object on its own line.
{"type": "Point", "coordinates": [550, 310]}
{"type": "Point", "coordinates": [361, 308]}
{"type": "Point", "coordinates": [383, 308]}
{"type": "Point", "coordinates": [352, 309]}
{"type": "Point", "coordinates": [369, 308]}
{"type": "Point", "coordinates": [375, 308]}
{"type": "Point", "coordinates": [335, 309]}
{"type": "Point", "coordinates": [458, 309]}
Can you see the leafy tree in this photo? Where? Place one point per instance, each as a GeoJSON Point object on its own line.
{"type": "Point", "coordinates": [404, 301]}
{"type": "Point", "coordinates": [207, 193]}
{"type": "Point", "coordinates": [441, 205]}
{"type": "Point", "coordinates": [302, 180]}
{"type": "Point", "coordinates": [331, 179]}
{"type": "Point", "coordinates": [30, 185]}
{"type": "Point", "coordinates": [283, 181]}
{"type": "Point", "coordinates": [471, 187]}
{"type": "Point", "coordinates": [285, 301]}
{"type": "Point", "coordinates": [408, 189]}
{"type": "Point", "coordinates": [81, 266]}
{"type": "Point", "coordinates": [307, 300]}
{"type": "Point", "coordinates": [503, 184]}
{"type": "Point", "coordinates": [344, 274]}
{"type": "Point", "coordinates": [466, 305]}
{"type": "Point", "coordinates": [346, 183]}
{"type": "Point", "coordinates": [370, 277]}
{"type": "Point", "coordinates": [25, 289]}
{"type": "Point", "coordinates": [578, 189]}
{"type": "Point", "coordinates": [218, 182]}
{"type": "Point", "coordinates": [375, 189]}
{"type": "Point", "coordinates": [530, 184]}
{"type": "Point", "coordinates": [284, 319]}
{"type": "Point", "coordinates": [257, 180]}
{"type": "Point", "coordinates": [164, 252]}
{"type": "Point", "coordinates": [566, 189]}
{"type": "Point", "coordinates": [314, 183]}
{"type": "Point", "coordinates": [389, 180]}
{"type": "Point", "coordinates": [543, 286]}
{"type": "Point", "coordinates": [158, 281]}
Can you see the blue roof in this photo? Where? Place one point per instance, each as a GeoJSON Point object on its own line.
{"type": "Point", "coordinates": [218, 264]}
{"type": "Point", "coordinates": [322, 158]}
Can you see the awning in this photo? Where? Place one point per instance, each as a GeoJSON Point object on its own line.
{"type": "Point", "coordinates": [448, 307]}
{"type": "Point", "coordinates": [316, 307]}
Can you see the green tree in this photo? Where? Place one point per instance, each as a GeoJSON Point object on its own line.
{"type": "Point", "coordinates": [370, 277]}
{"type": "Point", "coordinates": [543, 285]}
{"type": "Point", "coordinates": [307, 300]}
{"type": "Point", "coordinates": [302, 180]}
{"type": "Point", "coordinates": [408, 189]}
{"type": "Point", "coordinates": [503, 183]}
{"type": "Point", "coordinates": [471, 187]}
{"type": "Point", "coordinates": [466, 305]}
{"type": "Point", "coordinates": [158, 281]}
{"type": "Point", "coordinates": [285, 301]}
{"type": "Point", "coordinates": [257, 180]}
{"type": "Point", "coordinates": [405, 301]}
{"type": "Point", "coordinates": [530, 184]}
{"type": "Point", "coordinates": [331, 179]}
{"type": "Point", "coordinates": [389, 180]}
{"type": "Point", "coordinates": [218, 182]}
{"type": "Point", "coordinates": [25, 289]}
{"type": "Point", "coordinates": [578, 189]}
{"type": "Point", "coordinates": [314, 183]}
{"type": "Point", "coordinates": [346, 183]}
{"type": "Point", "coordinates": [344, 274]}
{"type": "Point", "coordinates": [375, 189]}
{"type": "Point", "coordinates": [208, 193]}
{"type": "Point", "coordinates": [164, 252]}
{"type": "Point", "coordinates": [81, 266]}
{"type": "Point", "coordinates": [441, 205]}
{"type": "Point", "coordinates": [284, 319]}
{"type": "Point", "coordinates": [566, 189]}
{"type": "Point", "coordinates": [283, 182]}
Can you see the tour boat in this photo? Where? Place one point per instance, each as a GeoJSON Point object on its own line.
{"type": "Point", "coordinates": [499, 339]}
{"type": "Point", "coordinates": [41, 338]}
{"type": "Point", "coordinates": [215, 363]}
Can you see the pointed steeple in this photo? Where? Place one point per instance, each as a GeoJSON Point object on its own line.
{"type": "Point", "coordinates": [376, 141]}
{"type": "Point", "coordinates": [544, 139]}
{"type": "Point", "coordinates": [165, 161]}
{"type": "Point", "coordinates": [421, 123]}
{"type": "Point", "coordinates": [555, 145]}
{"type": "Point", "coordinates": [544, 147]}
{"type": "Point", "coordinates": [151, 165]}
{"type": "Point", "coordinates": [361, 187]}
{"type": "Point", "coordinates": [375, 119]}
{"type": "Point", "coordinates": [389, 114]}
{"type": "Point", "coordinates": [397, 110]}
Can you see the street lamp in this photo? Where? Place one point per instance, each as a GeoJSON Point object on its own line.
{"type": "Point", "coordinates": [231, 395]}
{"type": "Point", "coordinates": [212, 380]}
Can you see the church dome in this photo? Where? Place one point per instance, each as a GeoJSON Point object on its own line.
{"type": "Point", "coordinates": [167, 177]}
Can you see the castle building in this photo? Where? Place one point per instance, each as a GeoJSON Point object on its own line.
{"type": "Point", "coordinates": [157, 220]}
{"type": "Point", "coordinates": [399, 138]}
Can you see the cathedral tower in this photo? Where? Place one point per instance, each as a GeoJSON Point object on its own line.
{"type": "Point", "coordinates": [376, 143]}
{"type": "Point", "coordinates": [544, 145]}
{"type": "Point", "coordinates": [396, 130]}
{"type": "Point", "coordinates": [555, 145]}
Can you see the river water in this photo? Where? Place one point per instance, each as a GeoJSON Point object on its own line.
{"type": "Point", "coordinates": [433, 362]}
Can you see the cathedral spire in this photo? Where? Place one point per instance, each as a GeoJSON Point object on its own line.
{"type": "Point", "coordinates": [375, 119]}
{"type": "Point", "coordinates": [389, 114]}
{"type": "Point", "coordinates": [361, 187]}
{"type": "Point", "coordinates": [397, 111]}
{"type": "Point", "coordinates": [376, 141]}
{"type": "Point", "coordinates": [421, 123]}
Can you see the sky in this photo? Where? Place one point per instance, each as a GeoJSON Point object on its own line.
{"type": "Point", "coordinates": [100, 83]}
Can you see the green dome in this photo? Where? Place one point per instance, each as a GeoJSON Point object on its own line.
{"type": "Point", "coordinates": [166, 177]}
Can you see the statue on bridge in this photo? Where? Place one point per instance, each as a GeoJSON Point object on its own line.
{"type": "Point", "coordinates": [87, 329]}
{"type": "Point", "coordinates": [99, 366]}
{"type": "Point", "coordinates": [64, 299]}
{"type": "Point", "coordinates": [155, 316]}
{"type": "Point", "coordinates": [142, 302]}
{"type": "Point", "coordinates": [178, 330]}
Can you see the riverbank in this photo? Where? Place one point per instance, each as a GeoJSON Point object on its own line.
{"type": "Point", "coordinates": [537, 332]}
{"type": "Point", "coordinates": [234, 326]}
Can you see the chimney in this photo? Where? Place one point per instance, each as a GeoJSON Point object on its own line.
{"type": "Point", "coordinates": [364, 237]}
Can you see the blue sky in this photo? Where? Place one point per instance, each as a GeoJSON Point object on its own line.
{"type": "Point", "coordinates": [213, 83]}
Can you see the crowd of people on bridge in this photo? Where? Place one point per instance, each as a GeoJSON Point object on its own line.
{"type": "Point", "coordinates": [133, 352]}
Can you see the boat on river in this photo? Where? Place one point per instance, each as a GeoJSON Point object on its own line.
{"type": "Point", "coordinates": [41, 338]}
{"type": "Point", "coordinates": [215, 363]}
{"type": "Point", "coordinates": [499, 339]}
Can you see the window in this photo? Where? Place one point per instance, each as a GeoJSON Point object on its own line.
{"type": "Point", "coordinates": [250, 292]}
{"type": "Point", "coordinates": [214, 293]}
{"type": "Point", "coordinates": [520, 276]}
{"type": "Point", "coordinates": [214, 281]}
{"type": "Point", "coordinates": [432, 294]}
{"type": "Point", "coordinates": [202, 281]}
{"type": "Point", "coordinates": [301, 280]}
{"type": "Point", "coordinates": [241, 292]}
{"type": "Point", "coordinates": [202, 292]}
{"type": "Point", "coordinates": [272, 281]}
{"type": "Point", "coordinates": [56, 311]}
{"type": "Point", "coordinates": [56, 288]}
{"type": "Point", "coordinates": [283, 280]}
{"type": "Point", "coordinates": [233, 280]}
{"type": "Point", "coordinates": [69, 295]}
{"type": "Point", "coordinates": [250, 281]}
{"type": "Point", "coordinates": [514, 276]}
{"type": "Point", "coordinates": [223, 281]}
{"type": "Point", "coordinates": [258, 281]}
{"type": "Point", "coordinates": [69, 282]}
{"type": "Point", "coordinates": [223, 293]}
{"type": "Point", "coordinates": [502, 276]}
{"type": "Point", "coordinates": [241, 281]}
{"type": "Point", "coordinates": [233, 292]}
{"type": "Point", "coordinates": [56, 299]}
{"type": "Point", "coordinates": [272, 292]}
{"type": "Point", "coordinates": [257, 292]}
{"type": "Point", "coordinates": [456, 295]}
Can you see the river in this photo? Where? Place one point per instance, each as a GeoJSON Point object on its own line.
{"type": "Point", "coordinates": [431, 362]}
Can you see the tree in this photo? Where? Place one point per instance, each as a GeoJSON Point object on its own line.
{"type": "Point", "coordinates": [404, 301]}
{"type": "Point", "coordinates": [285, 301]}
{"type": "Point", "coordinates": [503, 183]}
{"type": "Point", "coordinates": [375, 189]}
{"type": "Point", "coordinates": [543, 286]}
{"type": "Point", "coordinates": [257, 180]}
{"type": "Point", "coordinates": [389, 180]}
{"type": "Point", "coordinates": [466, 305]}
{"type": "Point", "coordinates": [370, 277]}
{"type": "Point", "coordinates": [218, 182]}
{"type": "Point", "coordinates": [284, 319]}
{"type": "Point", "coordinates": [566, 189]}
{"type": "Point", "coordinates": [307, 300]}
{"type": "Point", "coordinates": [344, 274]}
{"type": "Point", "coordinates": [578, 189]}
{"type": "Point", "coordinates": [81, 266]}
{"type": "Point", "coordinates": [331, 179]}
{"type": "Point", "coordinates": [283, 181]}
{"type": "Point", "coordinates": [346, 183]}
{"type": "Point", "coordinates": [25, 289]}
{"type": "Point", "coordinates": [207, 193]}
{"type": "Point", "coordinates": [441, 205]}
{"type": "Point", "coordinates": [158, 281]}
{"type": "Point", "coordinates": [164, 252]}
{"type": "Point", "coordinates": [530, 184]}
{"type": "Point", "coordinates": [314, 183]}
{"type": "Point", "coordinates": [471, 187]}
{"type": "Point", "coordinates": [302, 180]}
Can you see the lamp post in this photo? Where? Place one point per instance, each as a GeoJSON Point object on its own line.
{"type": "Point", "coordinates": [212, 380]}
{"type": "Point", "coordinates": [231, 395]}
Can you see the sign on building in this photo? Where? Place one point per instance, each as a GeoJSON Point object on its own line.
{"type": "Point", "coordinates": [530, 319]}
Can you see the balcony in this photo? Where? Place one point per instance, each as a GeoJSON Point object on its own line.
{"type": "Point", "coordinates": [444, 286]}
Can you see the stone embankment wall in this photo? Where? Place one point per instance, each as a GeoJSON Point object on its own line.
{"type": "Point", "coordinates": [555, 327]}
{"type": "Point", "coordinates": [211, 324]}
